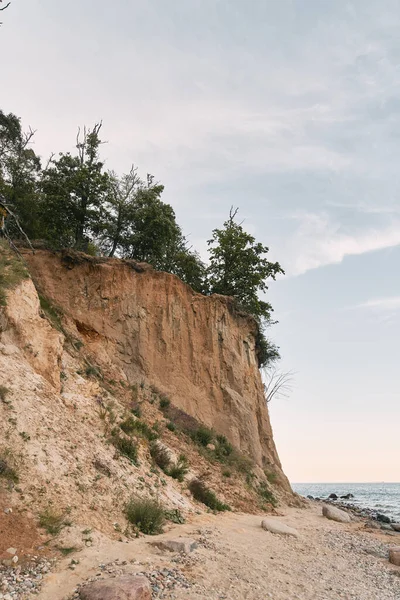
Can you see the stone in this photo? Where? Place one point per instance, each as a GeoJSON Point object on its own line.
{"type": "Point", "coordinates": [385, 526]}
{"type": "Point", "coordinates": [11, 551]}
{"type": "Point", "coordinates": [211, 447]}
{"type": "Point", "coordinates": [186, 545]}
{"type": "Point", "coordinates": [382, 518]}
{"type": "Point", "coordinates": [310, 497]}
{"type": "Point", "coordinates": [347, 497]}
{"type": "Point", "coordinates": [335, 514]}
{"type": "Point", "coordinates": [14, 559]}
{"type": "Point", "coordinates": [396, 526]}
{"type": "Point", "coordinates": [394, 556]}
{"type": "Point", "coordinates": [332, 497]}
{"type": "Point", "coordinates": [274, 526]}
{"type": "Point", "coordinates": [127, 587]}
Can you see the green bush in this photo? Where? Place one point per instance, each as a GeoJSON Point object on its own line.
{"type": "Point", "coordinates": [202, 435]}
{"type": "Point", "coordinates": [3, 392]}
{"type": "Point", "coordinates": [7, 471]}
{"type": "Point", "coordinates": [201, 493]}
{"type": "Point", "coordinates": [171, 426]}
{"type": "Point", "coordinates": [179, 469]}
{"type": "Point", "coordinates": [146, 514]}
{"type": "Point", "coordinates": [165, 403]}
{"type": "Point", "coordinates": [125, 446]}
{"type": "Point", "coordinates": [131, 425]}
{"type": "Point", "coordinates": [266, 494]}
{"type": "Point", "coordinates": [175, 516]}
{"type": "Point", "coordinates": [160, 455]}
{"type": "Point", "coordinates": [51, 521]}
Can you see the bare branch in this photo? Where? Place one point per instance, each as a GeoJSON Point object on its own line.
{"type": "Point", "coordinates": [3, 229]}
{"type": "Point", "coordinates": [277, 384]}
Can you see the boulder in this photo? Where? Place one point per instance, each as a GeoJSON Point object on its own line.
{"type": "Point", "coordinates": [332, 497]}
{"type": "Point", "coordinates": [310, 497]}
{"type": "Point", "coordinates": [394, 556]}
{"type": "Point", "coordinates": [182, 544]}
{"type": "Point", "coordinates": [396, 526]}
{"type": "Point", "coordinates": [274, 526]}
{"type": "Point", "coordinates": [335, 514]}
{"type": "Point", "coordinates": [382, 518]}
{"type": "Point", "coordinates": [127, 587]}
{"type": "Point", "coordinates": [385, 526]}
{"type": "Point", "coordinates": [347, 497]}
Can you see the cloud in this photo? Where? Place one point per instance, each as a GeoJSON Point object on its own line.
{"type": "Point", "coordinates": [391, 303]}
{"type": "Point", "coordinates": [319, 240]}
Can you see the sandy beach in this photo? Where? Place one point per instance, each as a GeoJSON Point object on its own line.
{"type": "Point", "coordinates": [237, 559]}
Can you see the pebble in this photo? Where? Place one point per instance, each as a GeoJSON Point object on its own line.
{"type": "Point", "coordinates": [23, 581]}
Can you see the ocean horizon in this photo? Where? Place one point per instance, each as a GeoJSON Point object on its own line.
{"type": "Point", "coordinates": [382, 497]}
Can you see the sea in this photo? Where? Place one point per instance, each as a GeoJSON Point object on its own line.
{"type": "Point", "coordinates": [383, 498]}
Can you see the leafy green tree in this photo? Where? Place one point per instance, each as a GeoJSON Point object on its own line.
{"type": "Point", "coordinates": [74, 190]}
{"type": "Point", "coordinates": [19, 174]}
{"type": "Point", "coordinates": [239, 267]}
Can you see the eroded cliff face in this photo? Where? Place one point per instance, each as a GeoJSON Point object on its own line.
{"type": "Point", "coordinates": [151, 326]}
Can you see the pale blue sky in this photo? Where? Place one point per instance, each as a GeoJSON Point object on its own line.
{"type": "Point", "coordinates": [290, 110]}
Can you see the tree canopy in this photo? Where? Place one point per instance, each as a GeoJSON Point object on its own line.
{"type": "Point", "coordinates": [75, 202]}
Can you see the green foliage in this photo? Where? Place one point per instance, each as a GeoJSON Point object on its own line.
{"type": "Point", "coordinates": [179, 469]}
{"type": "Point", "coordinates": [201, 493]}
{"type": "Point", "coordinates": [202, 435]}
{"type": "Point", "coordinates": [160, 455]}
{"type": "Point", "coordinates": [131, 425]}
{"type": "Point", "coordinates": [125, 446]}
{"type": "Point", "coordinates": [7, 468]}
{"type": "Point", "coordinates": [146, 514]}
{"type": "Point", "coordinates": [136, 410]}
{"type": "Point", "coordinates": [12, 271]}
{"type": "Point", "coordinates": [271, 477]}
{"type": "Point", "coordinates": [52, 521]}
{"type": "Point", "coordinates": [74, 189]}
{"type": "Point", "coordinates": [171, 426]}
{"type": "Point", "coordinates": [165, 403]}
{"type": "Point", "coordinates": [53, 314]}
{"type": "Point", "coordinates": [238, 267]}
{"type": "Point", "coordinates": [265, 493]}
{"type": "Point", "coordinates": [175, 516]}
{"type": "Point", "coordinates": [3, 393]}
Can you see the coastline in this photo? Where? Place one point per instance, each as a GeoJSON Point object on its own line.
{"type": "Point", "coordinates": [237, 559]}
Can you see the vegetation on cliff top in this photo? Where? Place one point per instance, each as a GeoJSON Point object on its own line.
{"type": "Point", "coordinates": [74, 202]}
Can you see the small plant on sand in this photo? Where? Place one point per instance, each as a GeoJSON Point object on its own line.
{"type": "Point", "coordinates": [175, 516]}
{"type": "Point", "coordinates": [7, 469]}
{"type": "Point", "coordinates": [165, 402]}
{"type": "Point", "coordinates": [266, 494]}
{"type": "Point", "coordinates": [52, 521]}
{"type": "Point", "coordinates": [202, 435]}
{"type": "Point", "coordinates": [131, 425]}
{"type": "Point", "coordinates": [171, 426]}
{"type": "Point", "coordinates": [146, 514]}
{"type": "Point", "coordinates": [125, 446]}
{"type": "Point", "coordinates": [160, 455]}
{"type": "Point", "coordinates": [4, 391]}
{"type": "Point", "coordinates": [201, 493]}
{"type": "Point", "coordinates": [179, 469]}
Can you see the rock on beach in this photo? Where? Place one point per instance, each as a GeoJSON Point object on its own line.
{"type": "Point", "coordinates": [274, 526]}
{"type": "Point", "coordinates": [128, 587]}
{"type": "Point", "coordinates": [335, 514]}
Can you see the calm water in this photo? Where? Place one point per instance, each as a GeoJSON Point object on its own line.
{"type": "Point", "coordinates": [382, 497]}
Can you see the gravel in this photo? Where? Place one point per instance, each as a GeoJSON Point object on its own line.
{"type": "Point", "coordinates": [23, 581]}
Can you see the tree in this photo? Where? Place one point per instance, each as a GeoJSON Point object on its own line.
{"type": "Point", "coordinates": [74, 189]}
{"type": "Point", "coordinates": [278, 384]}
{"type": "Point", "coordinates": [239, 268]}
{"type": "Point", "coordinates": [19, 174]}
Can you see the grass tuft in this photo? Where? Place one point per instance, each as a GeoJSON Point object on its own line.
{"type": "Point", "coordinates": [52, 521]}
{"type": "Point", "coordinates": [125, 446]}
{"type": "Point", "coordinates": [146, 514]}
{"type": "Point", "coordinates": [201, 493]}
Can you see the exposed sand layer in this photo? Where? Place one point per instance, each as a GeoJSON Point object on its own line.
{"type": "Point", "coordinates": [237, 559]}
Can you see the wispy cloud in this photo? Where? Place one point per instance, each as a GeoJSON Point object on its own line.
{"type": "Point", "coordinates": [391, 303]}
{"type": "Point", "coordinates": [319, 240]}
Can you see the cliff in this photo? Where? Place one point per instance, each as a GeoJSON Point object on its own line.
{"type": "Point", "coordinates": [152, 326]}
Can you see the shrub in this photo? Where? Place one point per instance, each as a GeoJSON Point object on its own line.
{"type": "Point", "coordinates": [179, 469]}
{"type": "Point", "coordinates": [202, 435]}
{"type": "Point", "coordinates": [3, 392]}
{"type": "Point", "coordinates": [201, 493]}
{"type": "Point", "coordinates": [125, 446]}
{"type": "Point", "coordinates": [223, 448]}
{"type": "Point", "coordinates": [266, 494]}
{"type": "Point", "coordinates": [141, 428]}
{"type": "Point", "coordinates": [171, 426]}
{"type": "Point", "coordinates": [175, 516]}
{"type": "Point", "coordinates": [51, 521]}
{"type": "Point", "coordinates": [165, 403]}
{"type": "Point", "coordinates": [226, 473]}
{"type": "Point", "coordinates": [146, 514]}
{"type": "Point", "coordinates": [160, 455]}
{"type": "Point", "coordinates": [271, 477]}
{"type": "Point", "coordinates": [136, 410]}
{"type": "Point", "coordinates": [53, 314]}
{"type": "Point", "coordinates": [91, 370]}
{"type": "Point", "coordinates": [7, 471]}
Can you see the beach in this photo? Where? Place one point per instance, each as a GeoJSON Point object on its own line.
{"type": "Point", "coordinates": [236, 559]}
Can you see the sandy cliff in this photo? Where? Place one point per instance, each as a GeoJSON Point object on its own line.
{"type": "Point", "coordinates": [150, 325]}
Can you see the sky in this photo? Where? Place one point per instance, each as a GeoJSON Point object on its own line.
{"type": "Point", "coordinates": [290, 111]}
